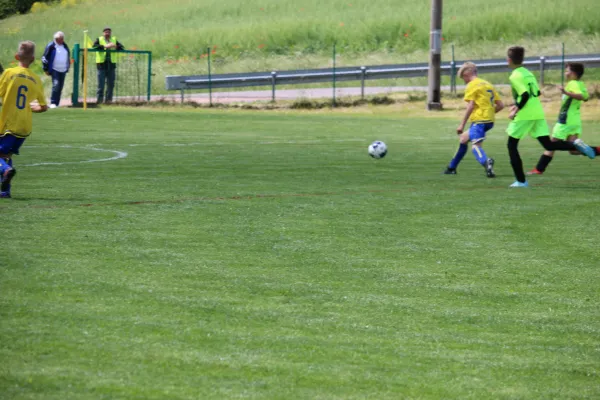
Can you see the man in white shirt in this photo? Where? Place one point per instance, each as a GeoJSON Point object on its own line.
{"type": "Point", "coordinates": [56, 62]}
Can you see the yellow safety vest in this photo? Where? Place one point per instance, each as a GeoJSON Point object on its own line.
{"type": "Point", "coordinates": [101, 55]}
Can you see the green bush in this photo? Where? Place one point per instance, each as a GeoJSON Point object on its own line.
{"type": "Point", "coordinates": [10, 7]}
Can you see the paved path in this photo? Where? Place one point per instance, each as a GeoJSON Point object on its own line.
{"type": "Point", "coordinates": [250, 96]}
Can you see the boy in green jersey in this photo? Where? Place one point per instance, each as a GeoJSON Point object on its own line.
{"type": "Point", "coordinates": [568, 126]}
{"type": "Point", "coordinates": [527, 117]}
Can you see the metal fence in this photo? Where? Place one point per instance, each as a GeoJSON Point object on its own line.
{"type": "Point", "coordinates": [132, 76]}
{"type": "Point", "coordinates": [362, 74]}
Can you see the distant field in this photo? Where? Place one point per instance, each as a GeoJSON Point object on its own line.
{"type": "Point", "coordinates": [220, 255]}
{"type": "Point", "coordinates": [285, 34]}
{"type": "Point", "coordinates": [241, 29]}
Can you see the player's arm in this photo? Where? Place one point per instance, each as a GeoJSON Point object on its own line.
{"type": "Point", "coordinates": [575, 95]}
{"type": "Point", "coordinates": [519, 105]}
{"type": "Point", "coordinates": [38, 108]}
{"type": "Point", "coordinates": [468, 111]}
{"type": "Point", "coordinates": [498, 104]}
{"type": "Point", "coordinates": [523, 94]}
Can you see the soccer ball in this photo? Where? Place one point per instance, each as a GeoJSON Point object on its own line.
{"type": "Point", "coordinates": [377, 149]}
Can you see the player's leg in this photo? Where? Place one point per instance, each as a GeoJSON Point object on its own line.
{"type": "Point", "coordinates": [516, 130]}
{"type": "Point", "coordinates": [477, 136]}
{"type": "Point", "coordinates": [6, 178]}
{"type": "Point", "coordinates": [543, 162]}
{"type": "Point", "coordinates": [9, 145]}
{"type": "Point", "coordinates": [7, 172]}
{"type": "Point", "coordinates": [558, 133]}
{"type": "Point", "coordinates": [463, 139]}
{"type": "Point", "coordinates": [539, 131]}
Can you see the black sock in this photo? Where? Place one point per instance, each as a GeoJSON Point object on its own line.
{"type": "Point", "coordinates": [543, 163]}
{"type": "Point", "coordinates": [515, 159]}
{"type": "Point", "coordinates": [553, 146]}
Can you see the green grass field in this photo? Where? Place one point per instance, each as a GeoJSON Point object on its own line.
{"type": "Point", "coordinates": [284, 35]}
{"type": "Point", "coordinates": [264, 255]}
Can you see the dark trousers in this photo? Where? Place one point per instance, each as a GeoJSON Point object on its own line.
{"type": "Point", "coordinates": [106, 76]}
{"type": "Point", "coordinates": [58, 81]}
{"type": "Point", "coordinates": [547, 144]}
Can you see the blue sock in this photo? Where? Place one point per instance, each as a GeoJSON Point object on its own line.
{"type": "Point", "coordinates": [460, 153]}
{"type": "Point", "coordinates": [10, 164]}
{"type": "Point", "coordinates": [480, 155]}
{"type": "Point", "coordinates": [4, 165]}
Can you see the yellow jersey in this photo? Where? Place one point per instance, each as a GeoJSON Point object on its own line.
{"type": "Point", "coordinates": [484, 96]}
{"type": "Point", "coordinates": [19, 86]}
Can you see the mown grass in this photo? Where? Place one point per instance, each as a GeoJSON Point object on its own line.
{"type": "Point", "coordinates": [280, 35]}
{"type": "Point", "coordinates": [266, 256]}
{"type": "Point", "coordinates": [239, 29]}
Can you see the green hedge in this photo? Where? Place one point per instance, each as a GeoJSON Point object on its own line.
{"type": "Point", "coordinates": [10, 7]}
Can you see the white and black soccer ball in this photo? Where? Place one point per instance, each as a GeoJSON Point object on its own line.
{"type": "Point", "coordinates": [377, 149]}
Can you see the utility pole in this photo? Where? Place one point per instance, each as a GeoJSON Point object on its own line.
{"type": "Point", "coordinates": [435, 57]}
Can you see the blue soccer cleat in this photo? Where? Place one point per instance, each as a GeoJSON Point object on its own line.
{"type": "Point", "coordinates": [4, 195]}
{"type": "Point", "coordinates": [518, 184]}
{"type": "Point", "coordinates": [584, 148]}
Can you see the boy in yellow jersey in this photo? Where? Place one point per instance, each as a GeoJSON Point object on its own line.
{"type": "Point", "coordinates": [483, 104]}
{"type": "Point", "coordinates": [527, 117]}
{"type": "Point", "coordinates": [18, 88]}
{"type": "Point", "coordinates": [568, 126]}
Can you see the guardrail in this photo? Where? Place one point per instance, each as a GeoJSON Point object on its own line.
{"type": "Point", "coordinates": [362, 73]}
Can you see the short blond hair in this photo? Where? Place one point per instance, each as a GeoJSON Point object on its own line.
{"type": "Point", "coordinates": [467, 67]}
{"type": "Point", "coordinates": [26, 51]}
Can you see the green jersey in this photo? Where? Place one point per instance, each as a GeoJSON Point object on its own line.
{"type": "Point", "coordinates": [569, 109]}
{"type": "Point", "coordinates": [522, 81]}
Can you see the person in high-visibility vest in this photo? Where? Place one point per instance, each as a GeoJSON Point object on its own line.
{"type": "Point", "coordinates": [106, 61]}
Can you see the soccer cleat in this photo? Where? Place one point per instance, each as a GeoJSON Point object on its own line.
{"type": "Point", "coordinates": [6, 178]}
{"type": "Point", "coordinates": [518, 184]}
{"type": "Point", "coordinates": [450, 171]}
{"type": "Point", "coordinates": [534, 171]}
{"type": "Point", "coordinates": [584, 148]}
{"type": "Point", "coordinates": [489, 168]}
{"type": "Point", "coordinates": [4, 195]}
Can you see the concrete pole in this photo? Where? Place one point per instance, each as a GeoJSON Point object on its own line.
{"type": "Point", "coordinates": [435, 57]}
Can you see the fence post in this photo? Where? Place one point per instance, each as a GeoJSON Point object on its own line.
{"type": "Point", "coordinates": [273, 80]}
{"type": "Point", "coordinates": [562, 66]}
{"type": "Point", "coordinates": [542, 68]}
{"type": "Point", "coordinates": [453, 73]}
{"type": "Point", "coordinates": [149, 74]}
{"type": "Point", "coordinates": [363, 72]}
{"type": "Point", "coordinates": [182, 94]}
{"type": "Point", "coordinates": [452, 77]}
{"type": "Point", "coordinates": [333, 102]}
{"type": "Point", "coordinates": [209, 78]}
{"type": "Point", "coordinates": [75, 94]}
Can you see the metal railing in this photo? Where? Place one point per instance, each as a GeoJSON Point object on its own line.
{"type": "Point", "coordinates": [362, 73]}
